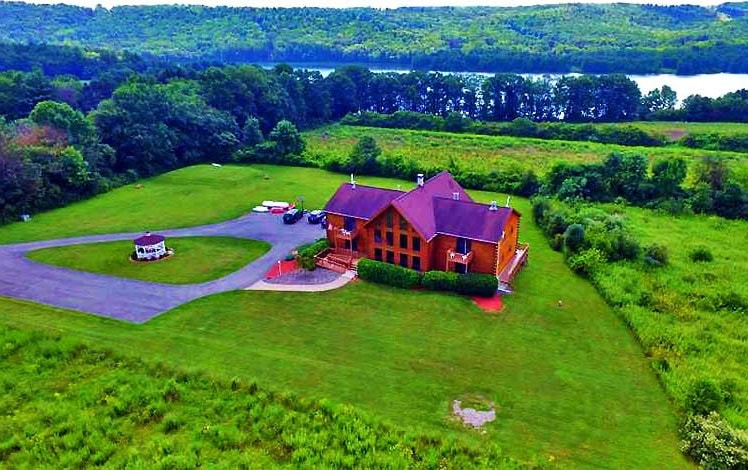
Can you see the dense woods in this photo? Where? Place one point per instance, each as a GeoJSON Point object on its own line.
{"type": "Point", "coordinates": [550, 38]}
{"type": "Point", "coordinates": [63, 139]}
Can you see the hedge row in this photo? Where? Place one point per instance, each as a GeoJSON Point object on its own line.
{"type": "Point", "coordinates": [483, 285]}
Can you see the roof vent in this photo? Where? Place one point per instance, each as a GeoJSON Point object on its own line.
{"type": "Point", "coordinates": [419, 180]}
{"type": "Point", "coordinates": [353, 182]}
{"type": "Point", "coordinates": [147, 234]}
{"type": "Point", "coordinates": [456, 196]}
{"type": "Point", "coordinates": [508, 198]}
{"type": "Point", "coordinates": [494, 206]}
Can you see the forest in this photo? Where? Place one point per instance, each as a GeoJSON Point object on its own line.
{"type": "Point", "coordinates": [585, 38]}
{"type": "Point", "coordinates": [63, 139]}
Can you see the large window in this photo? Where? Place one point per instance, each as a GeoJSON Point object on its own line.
{"type": "Point", "coordinates": [416, 244]}
{"type": "Point", "coordinates": [403, 223]}
{"type": "Point", "coordinates": [378, 254]}
{"type": "Point", "coordinates": [349, 223]}
{"type": "Point", "coordinates": [403, 260]}
{"type": "Point", "coordinates": [403, 241]}
{"type": "Point", "coordinates": [377, 235]}
{"type": "Point", "coordinates": [416, 263]}
{"type": "Point", "coordinates": [388, 219]}
{"type": "Point", "coordinates": [463, 246]}
{"type": "Point", "coordinates": [390, 256]}
{"type": "Point", "coordinates": [390, 239]}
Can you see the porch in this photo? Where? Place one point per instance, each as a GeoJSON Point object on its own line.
{"type": "Point", "coordinates": [337, 261]}
{"type": "Point", "coordinates": [519, 260]}
{"type": "Point", "coordinates": [459, 262]}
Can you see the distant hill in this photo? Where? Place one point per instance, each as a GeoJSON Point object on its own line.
{"type": "Point", "coordinates": [552, 38]}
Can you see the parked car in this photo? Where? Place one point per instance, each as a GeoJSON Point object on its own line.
{"type": "Point", "coordinates": [315, 217]}
{"type": "Point", "coordinates": [292, 216]}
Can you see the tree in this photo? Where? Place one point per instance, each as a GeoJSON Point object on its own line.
{"type": "Point", "coordinates": [624, 175]}
{"type": "Point", "coordinates": [251, 133]}
{"type": "Point", "coordinates": [287, 139]}
{"type": "Point", "coordinates": [363, 157]}
{"type": "Point", "coordinates": [79, 130]}
{"type": "Point", "coordinates": [668, 175]}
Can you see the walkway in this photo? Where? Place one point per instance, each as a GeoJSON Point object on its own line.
{"type": "Point", "coordinates": [138, 301]}
{"type": "Point", "coordinates": [344, 279]}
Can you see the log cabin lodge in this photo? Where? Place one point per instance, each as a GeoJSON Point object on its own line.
{"type": "Point", "coordinates": [435, 226]}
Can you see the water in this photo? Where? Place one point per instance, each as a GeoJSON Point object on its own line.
{"type": "Point", "coordinates": [709, 85]}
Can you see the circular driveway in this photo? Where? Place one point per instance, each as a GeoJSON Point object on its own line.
{"type": "Point", "coordinates": [138, 301]}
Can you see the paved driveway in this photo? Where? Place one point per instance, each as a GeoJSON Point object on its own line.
{"type": "Point", "coordinates": [138, 301]}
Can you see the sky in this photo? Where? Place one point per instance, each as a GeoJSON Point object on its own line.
{"type": "Point", "coordinates": [363, 3]}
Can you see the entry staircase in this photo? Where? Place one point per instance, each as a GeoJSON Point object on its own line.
{"type": "Point", "coordinates": [337, 262]}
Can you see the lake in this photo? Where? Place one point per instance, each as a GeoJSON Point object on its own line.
{"type": "Point", "coordinates": [710, 85]}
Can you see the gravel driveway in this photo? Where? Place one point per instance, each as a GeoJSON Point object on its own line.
{"type": "Point", "coordinates": [138, 301]}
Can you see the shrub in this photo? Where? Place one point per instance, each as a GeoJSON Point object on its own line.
{"type": "Point", "coordinates": [483, 285]}
{"type": "Point", "coordinates": [713, 443]}
{"type": "Point", "coordinates": [656, 255]}
{"type": "Point", "coordinates": [556, 242]}
{"type": "Point", "coordinates": [704, 397]}
{"type": "Point", "coordinates": [587, 261]}
{"type": "Point", "coordinates": [700, 254]}
{"type": "Point", "coordinates": [389, 274]}
{"type": "Point", "coordinates": [574, 237]}
{"type": "Point", "coordinates": [306, 253]}
{"type": "Point", "coordinates": [440, 281]}
{"type": "Point", "coordinates": [541, 206]}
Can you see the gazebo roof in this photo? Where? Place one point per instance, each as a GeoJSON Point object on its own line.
{"type": "Point", "coordinates": [149, 239]}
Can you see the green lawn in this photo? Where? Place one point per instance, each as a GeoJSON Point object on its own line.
{"type": "Point", "coordinates": [571, 383]}
{"type": "Point", "coordinates": [191, 196]}
{"type": "Point", "coordinates": [676, 130]}
{"type": "Point", "coordinates": [482, 153]}
{"type": "Point", "coordinates": [195, 259]}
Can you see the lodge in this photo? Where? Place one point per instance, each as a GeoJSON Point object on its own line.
{"type": "Point", "coordinates": [435, 226]}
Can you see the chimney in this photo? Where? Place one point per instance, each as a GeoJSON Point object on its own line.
{"type": "Point", "coordinates": [147, 234]}
{"type": "Point", "coordinates": [508, 198]}
{"type": "Point", "coordinates": [419, 180]}
{"type": "Point", "coordinates": [456, 196]}
{"type": "Point", "coordinates": [353, 182]}
{"type": "Point", "coordinates": [494, 206]}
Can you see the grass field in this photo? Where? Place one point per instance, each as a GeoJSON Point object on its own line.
{"type": "Point", "coordinates": [676, 130]}
{"type": "Point", "coordinates": [195, 259]}
{"type": "Point", "coordinates": [486, 153]}
{"type": "Point", "coordinates": [690, 316]}
{"type": "Point", "coordinates": [571, 383]}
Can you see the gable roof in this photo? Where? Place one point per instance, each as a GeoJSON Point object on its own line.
{"type": "Point", "coordinates": [360, 201]}
{"type": "Point", "coordinates": [470, 219]}
{"type": "Point", "coordinates": [148, 240]}
{"type": "Point", "coordinates": [417, 205]}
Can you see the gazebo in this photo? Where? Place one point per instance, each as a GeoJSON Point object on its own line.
{"type": "Point", "coordinates": [150, 247]}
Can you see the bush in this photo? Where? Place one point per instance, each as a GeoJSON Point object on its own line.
{"type": "Point", "coordinates": [656, 255]}
{"type": "Point", "coordinates": [556, 242]}
{"type": "Point", "coordinates": [713, 443]}
{"type": "Point", "coordinates": [700, 254]}
{"type": "Point", "coordinates": [587, 262]}
{"type": "Point", "coordinates": [306, 254]}
{"type": "Point", "coordinates": [482, 285]}
{"type": "Point", "coordinates": [574, 237]}
{"type": "Point", "coordinates": [440, 281]}
{"type": "Point", "coordinates": [389, 274]}
{"type": "Point", "coordinates": [704, 397]}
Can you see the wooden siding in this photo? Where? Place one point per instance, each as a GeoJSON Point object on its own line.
{"type": "Point", "coordinates": [508, 244]}
{"type": "Point", "coordinates": [380, 223]}
{"type": "Point", "coordinates": [484, 255]}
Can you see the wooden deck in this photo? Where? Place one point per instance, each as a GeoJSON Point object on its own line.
{"type": "Point", "coordinates": [519, 260]}
{"type": "Point", "coordinates": [338, 262]}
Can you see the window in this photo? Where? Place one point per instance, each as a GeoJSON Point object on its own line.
{"type": "Point", "coordinates": [390, 256]}
{"type": "Point", "coordinates": [416, 263]}
{"type": "Point", "coordinates": [403, 223]}
{"type": "Point", "coordinates": [388, 219]}
{"type": "Point", "coordinates": [378, 254]}
{"type": "Point", "coordinates": [463, 246]}
{"type": "Point", "coordinates": [403, 241]}
{"type": "Point", "coordinates": [403, 260]}
{"type": "Point", "coordinates": [390, 239]}
{"type": "Point", "coordinates": [416, 244]}
{"type": "Point", "coordinates": [377, 235]}
{"type": "Point", "coordinates": [349, 223]}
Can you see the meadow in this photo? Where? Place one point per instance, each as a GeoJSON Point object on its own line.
{"type": "Point", "coordinates": [571, 383]}
{"type": "Point", "coordinates": [70, 406]}
{"type": "Point", "coordinates": [675, 130]}
{"type": "Point", "coordinates": [196, 259]}
{"type": "Point", "coordinates": [483, 154]}
{"type": "Point", "coordinates": [689, 315]}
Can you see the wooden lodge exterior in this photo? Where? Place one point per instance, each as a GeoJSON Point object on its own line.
{"type": "Point", "coordinates": [435, 226]}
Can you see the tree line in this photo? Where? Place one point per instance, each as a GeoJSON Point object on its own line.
{"type": "Point", "coordinates": [586, 38]}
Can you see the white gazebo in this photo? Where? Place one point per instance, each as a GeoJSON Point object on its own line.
{"type": "Point", "coordinates": [150, 247]}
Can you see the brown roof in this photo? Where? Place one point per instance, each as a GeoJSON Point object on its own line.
{"type": "Point", "coordinates": [360, 201]}
{"type": "Point", "coordinates": [149, 239]}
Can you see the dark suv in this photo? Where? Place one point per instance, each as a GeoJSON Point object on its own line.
{"type": "Point", "coordinates": [292, 216]}
{"type": "Point", "coordinates": [315, 217]}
